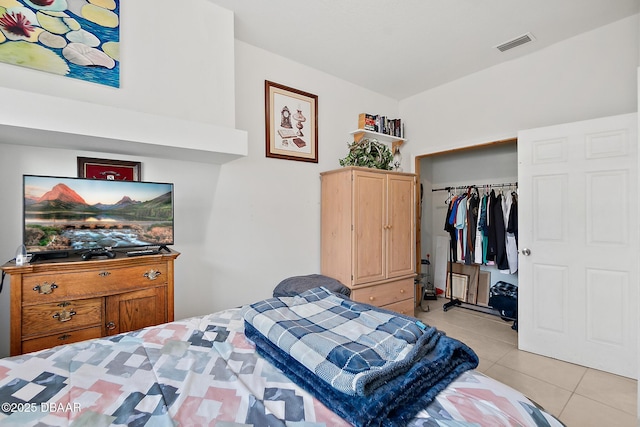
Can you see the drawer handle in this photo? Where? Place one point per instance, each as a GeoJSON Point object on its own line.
{"type": "Point", "coordinates": [152, 274]}
{"type": "Point", "coordinates": [371, 298]}
{"type": "Point", "coordinates": [64, 315]}
{"type": "Point", "coordinates": [45, 288]}
{"type": "Point", "coordinates": [64, 337]}
{"type": "Point", "coordinates": [111, 326]}
{"type": "Point", "coordinates": [104, 274]}
{"type": "Point", "coordinates": [402, 291]}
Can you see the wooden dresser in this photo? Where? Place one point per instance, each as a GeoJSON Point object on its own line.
{"type": "Point", "coordinates": [368, 231]}
{"type": "Point", "coordinates": [69, 300]}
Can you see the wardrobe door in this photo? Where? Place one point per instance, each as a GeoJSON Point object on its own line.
{"type": "Point", "coordinates": [369, 224]}
{"type": "Point", "coordinates": [401, 225]}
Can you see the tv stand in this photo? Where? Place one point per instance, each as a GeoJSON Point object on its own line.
{"type": "Point", "coordinates": [164, 247]}
{"type": "Point", "coordinates": [60, 302]}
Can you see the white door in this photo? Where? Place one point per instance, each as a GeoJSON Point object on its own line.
{"type": "Point", "coordinates": [578, 241]}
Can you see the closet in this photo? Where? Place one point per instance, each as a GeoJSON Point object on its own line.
{"type": "Point", "coordinates": [475, 172]}
{"type": "Point", "coordinates": [578, 275]}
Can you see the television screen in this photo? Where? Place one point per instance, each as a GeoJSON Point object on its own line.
{"type": "Point", "coordinates": [76, 214]}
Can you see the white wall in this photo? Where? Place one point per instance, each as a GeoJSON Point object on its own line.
{"type": "Point", "coordinates": [588, 76]}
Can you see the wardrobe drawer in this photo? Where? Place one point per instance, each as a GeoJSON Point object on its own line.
{"type": "Point", "coordinates": [61, 338]}
{"type": "Point", "coordinates": [384, 293]}
{"type": "Point", "coordinates": [62, 316]}
{"type": "Point", "coordinates": [38, 288]}
{"type": "Point", "coordinates": [405, 307]}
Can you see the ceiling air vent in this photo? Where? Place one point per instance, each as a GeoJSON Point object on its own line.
{"type": "Point", "coordinates": [518, 41]}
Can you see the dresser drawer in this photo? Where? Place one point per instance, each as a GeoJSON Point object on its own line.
{"type": "Point", "coordinates": [39, 288]}
{"type": "Point", "coordinates": [384, 293]}
{"type": "Point", "coordinates": [61, 338]}
{"type": "Point", "coordinates": [58, 317]}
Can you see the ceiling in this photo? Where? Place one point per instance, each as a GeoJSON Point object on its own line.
{"type": "Point", "coordinates": [400, 48]}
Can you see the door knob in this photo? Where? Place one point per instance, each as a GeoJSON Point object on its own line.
{"type": "Point", "coordinates": [526, 251]}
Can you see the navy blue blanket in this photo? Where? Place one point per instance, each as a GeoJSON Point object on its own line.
{"type": "Point", "coordinates": [392, 402]}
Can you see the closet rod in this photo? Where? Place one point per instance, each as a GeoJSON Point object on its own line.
{"type": "Point", "coordinates": [461, 187]}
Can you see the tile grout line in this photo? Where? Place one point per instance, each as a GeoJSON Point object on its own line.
{"type": "Point", "coordinates": [575, 392]}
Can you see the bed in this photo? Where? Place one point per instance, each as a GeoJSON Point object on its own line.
{"type": "Point", "coordinates": [204, 371]}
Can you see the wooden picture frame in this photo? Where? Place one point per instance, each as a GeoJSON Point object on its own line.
{"type": "Point", "coordinates": [459, 287]}
{"type": "Point", "coordinates": [484, 285]}
{"type": "Point", "coordinates": [112, 170]}
{"type": "Point", "coordinates": [291, 117]}
{"type": "Point", "coordinates": [471, 271]}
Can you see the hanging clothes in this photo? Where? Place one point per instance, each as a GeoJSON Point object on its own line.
{"type": "Point", "coordinates": [478, 250]}
{"type": "Point", "coordinates": [491, 228]}
{"type": "Point", "coordinates": [512, 233]}
{"type": "Point", "coordinates": [483, 229]}
{"type": "Point", "coordinates": [483, 226]}
{"type": "Point", "coordinates": [499, 233]}
{"type": "Point", "coordinates": [449, 226]}
{"type": "Point", "coordinates": [461, 226]}
{"type": "Point", "coordinates": [512, 224]}
{"type": "Point", "coordinates": [510, 241]}
{"type": "Point", "coordinates": [473, 201]}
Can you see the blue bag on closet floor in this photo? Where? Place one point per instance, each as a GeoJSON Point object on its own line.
{"type": "Point", "coordinates": [503, 297]}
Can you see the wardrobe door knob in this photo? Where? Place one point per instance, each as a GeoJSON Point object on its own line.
{"type": "Point", "coordinates": [526, 251]}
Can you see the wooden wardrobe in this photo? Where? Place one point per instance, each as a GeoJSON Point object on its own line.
{"type": "Point", "coordinates": [368, 234]}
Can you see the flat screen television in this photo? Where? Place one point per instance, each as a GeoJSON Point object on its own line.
{"type": "Point", "coordinates": [63, 215]}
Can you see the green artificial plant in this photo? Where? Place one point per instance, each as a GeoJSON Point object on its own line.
{"type": "Point", "coordinates": [368, 153]}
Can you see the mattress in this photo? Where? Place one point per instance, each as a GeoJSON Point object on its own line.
{"type": "Point", "coordinates": [204, 371]}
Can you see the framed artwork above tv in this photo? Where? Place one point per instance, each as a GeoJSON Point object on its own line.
{"type": "Point", "coordinates": [112, 170]}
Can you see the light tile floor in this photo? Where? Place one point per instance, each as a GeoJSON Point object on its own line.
{"type": "Point", "coordinates": [577, 395]}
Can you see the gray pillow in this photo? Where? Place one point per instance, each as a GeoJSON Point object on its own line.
{"type": "Point", "coordinates": [295, 285]}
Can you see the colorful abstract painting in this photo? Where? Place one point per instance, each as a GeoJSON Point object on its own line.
{"type": "Point", "coordinates": [72, 38]}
